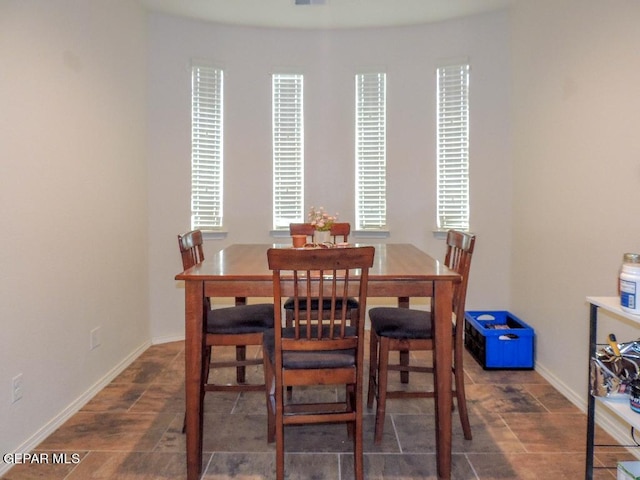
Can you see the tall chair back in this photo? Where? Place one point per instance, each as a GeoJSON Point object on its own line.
{"type": "Point", "coordinates": [191, 250]}
{"type": "Point", "coordinates": [328, 350]}
{"type": "Point", "coordinates": [301, 229]}
{"type": "Point", "coordinates": [460, 247]}
{"type": "Point", "coordinates": [340, 232]}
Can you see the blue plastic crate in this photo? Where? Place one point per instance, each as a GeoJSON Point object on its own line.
{"type": "Point", "coordinates": [499, 340]}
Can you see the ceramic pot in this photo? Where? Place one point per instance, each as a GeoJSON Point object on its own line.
{"type": "Point", "coordinates": [321, 236]}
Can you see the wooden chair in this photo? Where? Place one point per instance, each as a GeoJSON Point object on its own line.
{"type": "Point", "coordinates": [404, 329]}
{"type": "Point", "coordinates": [339, 231]}
{"type": "Point", "coordinates": [237, 326]}
{"type": "Point", "coordinates": [327, 351]}
{"type": "Point", "coordinates": [302, 229]}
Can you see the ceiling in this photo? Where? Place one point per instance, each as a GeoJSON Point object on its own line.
{"type": "Point", "coordinates": [325, 13]}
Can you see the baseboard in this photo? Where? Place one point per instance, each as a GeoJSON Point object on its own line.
{"type": "Point", "coordinates": [609, 422]}
{"type": "Point", "coordinates": [167, 339]}
{"type": "Point", "coordinates": [33, 441]}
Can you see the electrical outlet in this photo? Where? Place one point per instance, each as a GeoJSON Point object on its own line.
{"type": "Point", "coordinates": [95, 338]}
{"type": "Point", "coordinates": [16, 388]}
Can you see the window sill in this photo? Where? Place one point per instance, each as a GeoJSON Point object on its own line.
{"type": "Point", "coordinates": [371, 233]}
{"type": "Point", "coordinates": [214, 234]}
{"type": "Point", "coordinates": [279, 233]}
{"type": "Point", "coordinates": [442, 233]}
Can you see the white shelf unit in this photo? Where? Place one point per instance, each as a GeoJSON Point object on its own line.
{"type": "Point", "coordinates": [619, 405]}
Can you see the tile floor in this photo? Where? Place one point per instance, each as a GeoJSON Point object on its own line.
{"type": "Point", "coordinates": [522, 429]}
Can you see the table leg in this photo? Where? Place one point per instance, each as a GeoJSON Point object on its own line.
{"type": "Point", "coordinates": [443, 291]}
{"type": "Point", "coordinates": [194, 393]}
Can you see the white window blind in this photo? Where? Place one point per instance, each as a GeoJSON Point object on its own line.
{"type": "Point", "coordinates": [288, 150]}
{"type": "Point", "coordinates": [453, 147]}
{"type": "Point", "coordinates": [206, 148]}
{"type": "Point", "coordinates": [371, 187]}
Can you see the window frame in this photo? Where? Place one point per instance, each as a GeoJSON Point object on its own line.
{"type": "Point", "coordinates": [370, 151]}
{"type": "Point", "coordinates": [207, 147]}
{"type": "Point", "coordinates": [452, 146]}
{"type": "Point", "coordinates": [287, 104]}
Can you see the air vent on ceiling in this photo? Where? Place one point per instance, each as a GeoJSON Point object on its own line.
{"type": "Point", "coordinates": [310, 2]}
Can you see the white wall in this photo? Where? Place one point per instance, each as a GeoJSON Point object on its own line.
{"type": "Point", "coordinates": [576, 112]}
{"type": "Point", "coordinates": [73, 202]}
{"type": "Point", "coordinates": [329, 60]}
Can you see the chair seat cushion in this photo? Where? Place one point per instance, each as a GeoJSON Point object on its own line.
{"type": "Point", "coordinates": [315, 303]}
{"type": "Point", "coordinates": [241, 319]}
{"type": "Point", "coordinates": [314, 359]}
{"type": "Point", "coordinates": [401, 323]}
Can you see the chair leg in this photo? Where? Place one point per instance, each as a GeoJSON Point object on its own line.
{"type": "Point", "coordinates": [288, 319]}
{"type": "Point", "coordinates": [373, 368]}
{"type": "Point", "coordinates": [350, 401]}
{"type": "Point", "coordinates": [279, 431]}
{"type": "Point", "coordinates": [458, 373]}
{"type": "Point", "coordinates": [358, 458]}
{"type": "Point", "coordinates": [241, 354]}
{"type": "Point", "coordinates": [270, 389]}
{"type": "Point", "coordinates": [404, 361]}
{"type": "Point", "coordinates": [383, 371]}
{"type": "Point", "coordinates": [205, 367]}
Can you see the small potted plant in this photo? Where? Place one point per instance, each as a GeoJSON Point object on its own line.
{"type": "Point", "coordinates": [322, 223]}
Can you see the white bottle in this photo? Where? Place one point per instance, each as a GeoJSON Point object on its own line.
{"type": "Point", "coordinates": [630, 283]}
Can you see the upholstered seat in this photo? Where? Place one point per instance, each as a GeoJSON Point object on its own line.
{"type": "Point", "coordinates": [240, 319]}
{"type": "Point", "coordinates": [400, 323]}
{"type": "Point", "coordinates": [313, 358]}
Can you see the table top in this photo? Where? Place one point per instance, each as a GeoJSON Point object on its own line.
{"type": "Point", "coordinates": [392, 262]}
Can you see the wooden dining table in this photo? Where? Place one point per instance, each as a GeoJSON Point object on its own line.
{"type": "Point", "coordinates": [400, 271]}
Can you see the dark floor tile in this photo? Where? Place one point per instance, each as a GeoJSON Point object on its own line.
{"type": "Point", "coordinates": [530, 466]}
{"type": "Point", "coordinates": [549, 432]}
{"type": "Point", "coordinates": [47, 469]}
{"type": "Point", "coordinates": [131, 466]}
{"type": "Point", "coordinates": [406, 467]}
{"type": "Point", "coordinates": [509, 398]}
{"type": "Point", "coordinates": [235, 433]}
{"type": "Point", "coordinates": [225, 466]}
{"type": "Point", "coordinates": [551, 399]}
{"type": "Point", "coordinates": [160, 398]}
{"type": "Point", "coordinates": [416, 434]}
{"type": "Point", "coordinates": [297, 466]}
{"type": "Point", "coordinates": [116, 397]}
{"type": "Point", "coordinates": [108, 431]}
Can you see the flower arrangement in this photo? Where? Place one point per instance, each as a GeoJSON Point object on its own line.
{"type": "Point", "coordinates": [320, 219]}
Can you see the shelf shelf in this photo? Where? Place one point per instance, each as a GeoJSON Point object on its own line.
{"type": "Point", "coordinates": [612, 305]}
{"type": "Point", "coordinates": [620, 406]}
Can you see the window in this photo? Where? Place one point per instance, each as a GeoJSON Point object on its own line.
{"type": "Point", "coordinates": [453, 147]}
{"type": "Point", "coordinates": [288, 150]}
{"type": "Point", "coordinates": [371, 201]}
{"type": "Point", "coordinates": [206, 148]}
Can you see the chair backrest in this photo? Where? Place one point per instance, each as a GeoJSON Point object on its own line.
{"type": "Point", "coordinates": [191, 251]}
{"type": "Point", "coordinates": [333, 274]}
{"type": "Point", "coordinates": [340, 232]}
{"type": "Point", "coordinates": [460, 247]}
{"type": "Point", "coordinates": [301, 229]}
